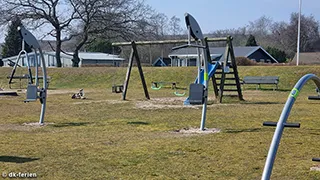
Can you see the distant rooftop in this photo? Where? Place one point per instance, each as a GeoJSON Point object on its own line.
{"type": "Point", "coordinates": [307, 58]}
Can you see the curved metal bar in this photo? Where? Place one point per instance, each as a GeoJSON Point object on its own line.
{"type": "Point", "coordinates": [43, 91]}
{"type": "Point", "coordinates": [281, 123]}
{"type": "Point", "coordinates": [33, 43]}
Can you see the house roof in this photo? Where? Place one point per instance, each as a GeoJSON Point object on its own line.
{"type": "Point", "coordinates": [308, 58]}
{"type": "Point", "coordinates": [244, 51]}
{"type": "Point", "coordinates": [82, 55]}
{"type": "Point", "coordinates": [92, 56]}
{"type": "Point", "coordinates": [164, 61]}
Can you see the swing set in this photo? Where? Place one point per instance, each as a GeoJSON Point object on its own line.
{"type": "Point", "coordinates": [222, 73]}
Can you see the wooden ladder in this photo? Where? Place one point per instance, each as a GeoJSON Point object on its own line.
{"type": "Point", "coordinates": [227, 80]}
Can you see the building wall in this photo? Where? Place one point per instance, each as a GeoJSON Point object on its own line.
{"type": "Point", "coordinates": [260, 56]}
{"type": "Point", "coordinates": [92, 62]}
{"type": "Point", "coordinates": [50, 60]}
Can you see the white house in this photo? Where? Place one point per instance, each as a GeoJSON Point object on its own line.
{"type": "Point", "coordinates": [187, 56]}
{"type": "Point", "coordinates": [86, 59]}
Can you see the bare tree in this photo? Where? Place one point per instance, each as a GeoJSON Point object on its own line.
{"type": "Point", "coordinates": [284, 34]}
{"type": "Point", "coordinates": [159, 21]}
{"type": "Point", "coordinates": [175, 27]}
{"type": "Point", "coordinates": [38, 13]}
{"type": "Point", "coordinates": [239, 36]}
{"type": "Point", "coordinates": [112, 19]}
{"type": "Point", "coordinates": [260, 27]}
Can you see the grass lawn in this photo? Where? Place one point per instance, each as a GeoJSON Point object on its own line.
{"type": "Point", "coordinates": [103, 137]}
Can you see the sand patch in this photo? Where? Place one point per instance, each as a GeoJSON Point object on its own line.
{"type": "Point", "coordinates": [22, 127]}
{"type": "Point", "coordinates": [100, 101]}
{"type": "Point", "coordinates": [315, 168]}
{"type": "Point", "coordinates": [198, 131]}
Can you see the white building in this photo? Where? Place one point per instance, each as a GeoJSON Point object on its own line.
{"type": "Point", "coordinates": [86, 59]}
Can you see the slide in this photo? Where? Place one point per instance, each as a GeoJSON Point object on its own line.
{"type": "Point", "coordinates": [211, 70]}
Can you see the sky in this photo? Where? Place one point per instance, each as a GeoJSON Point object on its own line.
{"type": "Point", "coordinates": [226, 14]}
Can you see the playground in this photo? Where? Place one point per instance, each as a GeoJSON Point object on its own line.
{"type": "Point", "coordinates": [93, 134]}
{"type": "Point", "coordinates": [103, 137]}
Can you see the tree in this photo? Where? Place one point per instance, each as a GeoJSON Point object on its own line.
{"type": "Point", "coordinates": [251, 41]}
{"type": "Point", "coordinates": [239, 36]}
{"type": "Point", "coordinates": [175, 27]}
{"type": "Point", "coordinates": [13, 41]}
{"type": "Point", "coordinates": [112, 19]}
{"type": "Point", "coordinates": [260, 27]}
{"type": "Point", "coordinates": [159, 22]}
{"type": "Point", "coordinates": [284, 34]}
{"type": "Point", "coordinates": [278, 54]}
{"type": "Point", "coordinates": [59, 14]}
{"type": "Point", "coordinates": [100, 45]}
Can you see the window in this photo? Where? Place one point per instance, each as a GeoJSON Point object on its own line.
{"type": "Point", "coordinates": [31, 61]}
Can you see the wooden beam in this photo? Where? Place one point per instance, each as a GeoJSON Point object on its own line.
{"type": "Point", "coordinates": [126, 82]}
{"type": "Point", "coordinates": [235, 70]}
{"type": "Point", "coordinates": [136, 55]}
{"type": "Point", "coordinates": [166, 42]}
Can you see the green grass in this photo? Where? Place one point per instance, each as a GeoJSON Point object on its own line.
{"type": "Point", "coordinates": [103, 137]}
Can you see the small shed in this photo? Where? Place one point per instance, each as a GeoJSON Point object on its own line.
{"type": "Point", "coordinates": [161, 62]}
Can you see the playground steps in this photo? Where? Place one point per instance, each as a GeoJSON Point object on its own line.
{"type": "Point", "coordinates": [230, 79]}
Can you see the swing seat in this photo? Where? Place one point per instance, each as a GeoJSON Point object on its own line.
{"type": "Point", "coordinates": [32, 93]}
{"type": "Point", "coordinates": [196, 94]}
{"type": "Point", "coordinates": [117, 88]}
{"type": "Point", "coordinates": [179, 94]}
{"type": "Point", "coordinates": [156, 85]}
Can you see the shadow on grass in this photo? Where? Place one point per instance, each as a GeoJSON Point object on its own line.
{"type": "Point", "coordinates": [259, 102]}
{"type": "Point", "coordinates": [138, 123]}
{"type": "Point", "coordinates": [243, 130]}
{"type": "Point", "coordinates": [16, 159]}
{"type": "Point", "coordinates": [71, 124]}
{"type": "Point", "coordinates": [268, 89]}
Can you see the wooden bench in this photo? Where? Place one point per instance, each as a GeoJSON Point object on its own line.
{"type": "Point", "coordinates": [258, 80]}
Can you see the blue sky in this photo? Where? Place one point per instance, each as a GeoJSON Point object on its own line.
{"type": "Point", "coordinates": [224, 14]}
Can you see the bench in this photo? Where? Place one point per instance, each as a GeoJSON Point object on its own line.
{"type": "Point", "coordinates": [156, 84]}
{"type": "Point", "coordinates": [258, 80]}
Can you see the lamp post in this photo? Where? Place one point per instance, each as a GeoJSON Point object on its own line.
{"type": "Point", "coordinates": [298, 42]}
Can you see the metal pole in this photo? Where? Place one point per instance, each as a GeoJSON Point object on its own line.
{"type": "Point", "coordinates": [198, 64]}
{"type": "Point", "coordinates": [282, 120]}
{"type": "Point", "coordinates": [45, 86]}
{"type": "Point", "coordinates": [298, 42]}
{"type": "Point", "coordinates": [205, 78]}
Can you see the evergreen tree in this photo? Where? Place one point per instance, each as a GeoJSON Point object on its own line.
{"type": "Point", "coordinates": [251, 41]}
{"type": "Point", "coordinates": [279, 55]}
{"type": "Point", "coordinates": [13, 41]}
{"type": "Point", "coordinates": [103, 46]}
